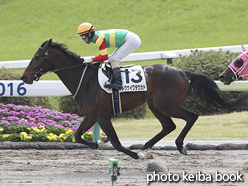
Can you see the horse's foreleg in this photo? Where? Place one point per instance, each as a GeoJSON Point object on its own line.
{"type": "Point", "coordinates": [86, 124]}
{"type": "Point", "coordinates": [109, 130]}
{"type": "Point", "coordinates": [167, 124]}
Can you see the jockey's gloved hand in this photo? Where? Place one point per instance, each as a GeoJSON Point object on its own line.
{"type": "Point", "coordinates": [88, 59]}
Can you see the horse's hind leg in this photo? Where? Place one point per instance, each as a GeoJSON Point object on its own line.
{"type": "Point", "coordinates": [167, 124]}
{"type": "Point", "coordinates": [190, 118]}
{"type": "Point", "coordinates": [85, 125]}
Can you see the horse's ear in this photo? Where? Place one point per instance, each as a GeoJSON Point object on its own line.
{"type": "Point", "coordinates": [243, 47]}
{"type": "Point", "coordinates": [49, 42]}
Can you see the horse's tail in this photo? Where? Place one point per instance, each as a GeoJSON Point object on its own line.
{"type": "Point", "coordinates": [205, 88]}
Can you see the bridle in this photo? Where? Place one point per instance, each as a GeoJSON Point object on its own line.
{"type": "Point", "coordinates": [38, 72]}
{"type": "Point", "coordinates": [240, 71]}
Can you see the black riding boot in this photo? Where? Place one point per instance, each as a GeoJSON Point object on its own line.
{"type": "Point", "coordinates": [117, 83]}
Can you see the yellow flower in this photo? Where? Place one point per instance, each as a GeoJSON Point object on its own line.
{"type": "Point", "coordinates": [23, 133]}
{"type": "Point", "coordinates": [25, 136]}
{"type": "Point", "coordinates": [1, 129]}
{"type": "Point", "coordinates": [49, 137]}
{"type": "Point", "coordinates": [38, 130]}
{"type": "Point", "coordinates": [35, 129]}
{"type": "Point", "coordinates": [28, 137]}
{"type": "Point", "coordinates": [62, 136]}
{"type": "Point", "coordinates": [6, 135]}
{"type": "Point", "coordinates": [52, 136]}
{"type": "Point", "coordinates": [68, 131]}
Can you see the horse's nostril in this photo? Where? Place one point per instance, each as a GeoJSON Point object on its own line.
{"type": "Point", "coordinates": [221, 77]}
{"type": "Point", "coordinates": [23, 77]}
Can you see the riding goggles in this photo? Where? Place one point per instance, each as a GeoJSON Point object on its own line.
{"type": "Point", "coordinates": [83, 36]}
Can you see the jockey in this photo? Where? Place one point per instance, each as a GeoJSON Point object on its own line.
{"type": "Point", "coordinates": [124, 41]}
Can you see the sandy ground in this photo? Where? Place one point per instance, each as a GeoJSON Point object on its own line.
{"type": "Point", "coordinates": [88, 167]}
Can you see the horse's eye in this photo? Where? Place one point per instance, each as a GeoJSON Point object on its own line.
{"type": "Point", "coordinates": [36, 57]}
{"type": "Point", "coordinates": [238, 63]}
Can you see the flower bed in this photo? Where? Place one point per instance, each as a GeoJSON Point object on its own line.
{"type": "Point", "coordinates": [24, 123]}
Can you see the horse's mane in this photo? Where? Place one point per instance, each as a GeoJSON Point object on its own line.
{"type": "Point", "coordinates": [62, 47]}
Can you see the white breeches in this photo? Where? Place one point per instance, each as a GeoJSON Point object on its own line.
{"type": "Point", "coordinates": [132, 42]}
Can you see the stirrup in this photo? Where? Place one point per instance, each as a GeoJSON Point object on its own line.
{"type": "Point", "coordinates": [106, 84]}
{"type": "Point", "coordinates": [114, 86]}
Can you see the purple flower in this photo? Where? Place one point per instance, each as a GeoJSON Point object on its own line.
{"type": "Point", "coordinates": [2, 122]}
{"type": "Point", "coordinates": [36, 116]}
{"type": "Point", "coordinates": [12, 118]}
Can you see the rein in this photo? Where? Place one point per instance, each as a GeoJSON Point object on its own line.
{"type": "Point", "coordinates": [38, 72]}
{"type": "Point", "coordinates": [63, 68]}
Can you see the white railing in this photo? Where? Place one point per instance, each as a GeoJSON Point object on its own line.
{"type": "Point", "coordinates": [57, 88]}
{"type": "Point", "coordinates": [15, 88]}
{"type": "Point", "coordinates": [143, 56]}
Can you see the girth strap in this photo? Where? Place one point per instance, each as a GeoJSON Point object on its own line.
{"type": "Point", "coordinates": [79, 85]}
{"type": "Point", "coordinates": [116, 101]}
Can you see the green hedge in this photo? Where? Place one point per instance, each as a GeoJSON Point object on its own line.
{"type": "Point", "coordinates": [210, 63]}
{"type": "Point", "coordinates": [137, 113]}
{"type": "Point", "coordinates": [68, 105]}
{"type": "Point", "coordinates": [8, 74]}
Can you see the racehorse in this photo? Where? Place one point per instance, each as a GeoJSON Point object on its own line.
{"type": "Point", "coordinates": [237, 69]}
{"type": "Point", "coordinates": [167, 88]}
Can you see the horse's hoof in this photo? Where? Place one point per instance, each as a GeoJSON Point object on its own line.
{"type": "Point", "coordinates": [102, 141]}
{"type": "Point", "coordinates": [105, 139]}
{"type": "Point", "coordinates": [144, 155]}
{"type": "Point", "coordinates": [183, 151]}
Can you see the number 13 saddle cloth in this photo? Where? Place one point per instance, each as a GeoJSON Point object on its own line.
{"type": "Point", "coordinates": [133, 79]}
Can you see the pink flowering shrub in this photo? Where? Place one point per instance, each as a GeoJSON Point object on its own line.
{"type": "Point", "coordinates": [25, 123]}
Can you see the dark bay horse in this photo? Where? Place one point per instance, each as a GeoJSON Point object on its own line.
{"type": "Point", "coordinates": [167, 88]}
{"type": "Point", "coordinates": [237, 69]}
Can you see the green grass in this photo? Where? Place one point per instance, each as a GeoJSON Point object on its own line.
{"type": "Point", "coordinates": [161, 24]}
{"type": "Point", "coordinates": [231, 126]}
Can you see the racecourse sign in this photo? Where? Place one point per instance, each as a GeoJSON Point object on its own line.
{"type": "Point", "coordinates": [15, 88]}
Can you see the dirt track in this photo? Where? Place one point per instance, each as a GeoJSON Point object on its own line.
{"type": "Point", "coordinates": [90, 167]}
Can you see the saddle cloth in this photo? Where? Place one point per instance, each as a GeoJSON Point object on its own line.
{"type": "Point", "coordinates": [133, 79]}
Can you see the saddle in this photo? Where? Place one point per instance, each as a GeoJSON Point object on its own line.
{"type": "Point", "coordinates": [108, 71]}
{"type": "Point", "coordinates": [133, 79]}
{"type": "Point", "coordinates": [116, 100]}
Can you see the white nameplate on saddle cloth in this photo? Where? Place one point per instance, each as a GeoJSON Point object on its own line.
{"type": "Point", "coordinates": [133, 79]}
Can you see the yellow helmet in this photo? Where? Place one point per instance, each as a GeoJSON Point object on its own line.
{"type": "Point", "coordinates": [85, 28]}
